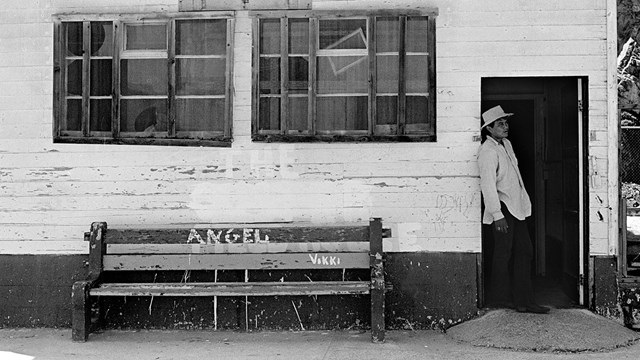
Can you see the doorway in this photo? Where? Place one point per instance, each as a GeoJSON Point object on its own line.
{"type": "Point", "coordinates": [547, 133]}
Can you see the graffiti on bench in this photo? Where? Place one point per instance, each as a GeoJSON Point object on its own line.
{"type": "Point", "coordinates": [229, 236]}
{"type": "Point", "coordinates": [324, 260]}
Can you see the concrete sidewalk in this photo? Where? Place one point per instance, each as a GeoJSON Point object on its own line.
{"type": "Point", "coordinates": [40, 344]}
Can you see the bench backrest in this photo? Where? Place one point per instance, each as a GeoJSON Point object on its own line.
{"type": "Point", "coordinates": [231, 249]}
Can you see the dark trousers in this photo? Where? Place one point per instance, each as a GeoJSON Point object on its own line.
{"type": "Point", "coordinates": [511, 265]}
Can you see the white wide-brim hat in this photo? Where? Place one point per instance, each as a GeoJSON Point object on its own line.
{"type": "Point", "coordinates": [493, 114]}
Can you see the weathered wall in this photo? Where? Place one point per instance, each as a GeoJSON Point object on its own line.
{"type": "Point", "coordinates": [35, 289]}
{"type": "Point", "coordinates": [430, 290]}
{"type": "Point", "coordinates": [605, 286]}
{"type": "Point", "coordinates": [427, 192]}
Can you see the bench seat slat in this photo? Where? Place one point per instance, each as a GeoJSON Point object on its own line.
{"type": "Point", "coordinates": [236, 261]}
{"type": "Point", "coordinates": [347, 246]}
{"type": "Point", "coordinates": [233, 288]}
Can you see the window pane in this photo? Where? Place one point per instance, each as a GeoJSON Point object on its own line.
{"type": "Point", "coordinates": [298, 110]}
{"type": "Point", "coordinates": [100, 77]}
{"type": "Point", "coordinates": [387, 35]}
{"type": "Point", "coordinates": [200, 115]}
{"type": "Point", "coordinates": [343, 34]}
{"type": "Point", "coordinates": [417, 70]}
{"type": "Point", "coordinates": [270, 75]}
{"type": "Point", "coordinates": [146, 37]}
{"type": "Point", "coordinates": [387, 74]}
{"type": "Point", "coordinates": [74, 115]}
{"type": "Point", "coordinates": [298, 36]}
{"type": "Point", "coordinates": [143, 77]}
{"type": "Point", "coordinates": [269, 114]}
{"type": "Point", "coordinates": [101, 39]}
{"type": "Point", "coordinates": [201, 37]}
{"type": "Point", "coordinates": [143, 115]}
{"type": "Point", "coordinates": [343, 74]}
{"type": "Point", "coordinates": [74, 77]}
{"type": "Point", "coordinates": [417, 110]}
{"type": "Point", "coordinates": [74, 38]}
{"type": "Point", "coordinates": [416, 34]}
{"type": "Point", "coordinates": [386, 110]}
{"type": "Point", "coordinates": [200, 76]}
{"type": "Point", "coordinates": [270, 36]}
{"type": "Point", "coordinates": [342, 113]}
{"type": "Point", "coordinates": [298, 75]}
{"type": "Point", "coordinates": [100, 111]}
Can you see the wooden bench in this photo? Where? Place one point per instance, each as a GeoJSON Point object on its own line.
{"type": "Point", "coordinates": [291, 248]}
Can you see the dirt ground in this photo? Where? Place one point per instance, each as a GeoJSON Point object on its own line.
{"type": "Point", "coordinates": [497, 335]}
{"type": "Point", "coordinates": [562, 330]}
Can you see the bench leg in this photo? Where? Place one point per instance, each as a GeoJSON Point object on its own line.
{"type": "Point", "coordinates": [377, 299]}
{"type": "Point", "coordinates": [81, 311]}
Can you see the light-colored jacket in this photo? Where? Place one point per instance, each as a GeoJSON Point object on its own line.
{"type": "Point", "coordinates": [500, 181]}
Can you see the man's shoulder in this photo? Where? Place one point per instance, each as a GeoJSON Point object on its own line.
{"type": "Point", "coordinates": [487, 145]}
{"type": "Point", "coordinates": [487, 153]}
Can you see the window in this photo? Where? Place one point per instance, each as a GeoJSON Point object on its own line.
{"type": "Point", "coordinates": [320, 76]}
{"type": "Point", "coordinates": [143, 81]}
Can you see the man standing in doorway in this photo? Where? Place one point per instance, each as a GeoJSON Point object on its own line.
{"type": "Point", "coordinates": [507, 205]}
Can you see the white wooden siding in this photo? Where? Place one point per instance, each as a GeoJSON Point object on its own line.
{"type": "Point", "coordinates": [427, 193]}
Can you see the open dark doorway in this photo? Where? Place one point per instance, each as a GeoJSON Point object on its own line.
{"type": "Point", "coordinates": [546, 132]}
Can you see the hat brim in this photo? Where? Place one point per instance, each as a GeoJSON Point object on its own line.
{"type": "Point", "coordinates": [506, 115]}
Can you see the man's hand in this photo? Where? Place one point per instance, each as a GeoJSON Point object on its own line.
{"type": "Point", "coordinates": [501, 225]}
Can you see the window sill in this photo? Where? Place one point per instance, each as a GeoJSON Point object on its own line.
{"type": "Point", "coordinates": [341, 138]}
{"type": "Point", "coordinates": [223, 142]}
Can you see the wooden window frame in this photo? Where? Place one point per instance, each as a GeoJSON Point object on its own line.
{"type": "Point", "coordinates": [375, 132]}
{"type": "Point", "coordinates": [115, 136]}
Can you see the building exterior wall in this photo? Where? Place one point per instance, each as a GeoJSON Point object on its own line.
{"type": "Point", "coordinates": [427, 193]}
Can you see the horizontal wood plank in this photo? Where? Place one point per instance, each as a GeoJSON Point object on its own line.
{"type": "Point", "coordinates": [233, 289]}
{"type": "Point", "coordinates": [347, 246]}
{"type": "Point", "coordinates": [280, 234]}
{"type": "Point", "coordinates": [237, 261]}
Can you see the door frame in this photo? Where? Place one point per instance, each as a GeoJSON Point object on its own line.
{"type": "Point", "coordinates": [584, 292]}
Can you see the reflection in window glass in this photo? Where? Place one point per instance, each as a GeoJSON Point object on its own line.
{"type": "Point", "coordinates": [100, 115]}
{"type": "Point", "coordinates": [200, 76]}
{"type": "Point", "coordinates": [298, 36]}
{"type": "Point", "coordinates": [143, 115]}
{"type": "Point", "coordinates": [386, 110]}
{"type": "Point", "coordinates": [74, 77]}
{"type": "Point", "coordinates": [417, 69]}
{"type": "Point", "coordinates": [101, 39]}
{"type": "Point", "coordinates": [146, 37]}
{"type": "Point", "coordinates": [343, 74]}
{"type": "Point", "coordinates": [269, 75]}
{"type": "Point", "coordinates": [269, 113]}
{"type": "Point", "coordinates": [298, 110]}
{"type": "Point", "coordinates": [417, 109]}
{"type": "Point", "coordinates": [74, 115]}
{"type": "Point", "coordinates": [200, 115]}
{"type": "Point", "coordinates": [270, 36]}
{"type": "Point", "coordinates": [201, 37]}
{"type": "Point", "coordinates": [298, 74]}
{"type": "Point", "coordinates": [143, 77]}
{"type": "Point", "coordinates": [100, 77]}
{"type": "Point", "coordinates": [417, 34]}
{"type": "Point", "coordinates": [74, 38]}
{"type": "Point", "coordinates": [387, 69]}
{"type": "Point", "coordinates": [342, 113]}
{"type": "Point", "coordinates": [343, 34]}
{"type": "Point", "coordinates": [387, 34]}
